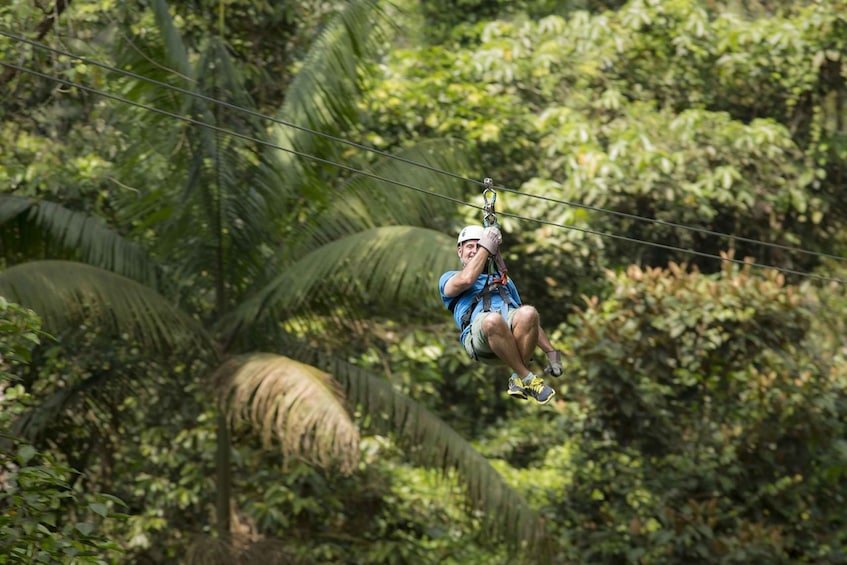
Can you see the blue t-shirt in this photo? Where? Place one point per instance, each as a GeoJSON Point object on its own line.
{"type": "Point", "coordinates": [464, 300]}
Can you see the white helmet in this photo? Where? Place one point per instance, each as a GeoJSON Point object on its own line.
{"type": "Point", "coordinates": [469, 232]}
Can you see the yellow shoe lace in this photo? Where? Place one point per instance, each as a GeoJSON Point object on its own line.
{"type": "Point", "coordinates": [535, 385]}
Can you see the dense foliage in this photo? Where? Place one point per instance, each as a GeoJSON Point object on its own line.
{"type": "Point", "coordinates": [708, 440]}
{"type": "Point", "coordinates": [44, 518]}
{"type": "Point", "coordinates": [229, 219]}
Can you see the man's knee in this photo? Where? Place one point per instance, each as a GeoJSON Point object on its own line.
{"type": "Point", "coordinates": [493, 323]}
{"type": "Point", "coordinates": [525, 316]}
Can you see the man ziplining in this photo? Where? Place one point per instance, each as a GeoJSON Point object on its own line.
{"type": "Point", "coordinates": [495, 326]}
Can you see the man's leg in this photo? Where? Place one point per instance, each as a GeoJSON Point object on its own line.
{"type": "Point", "coordinates": [526, 330]}
{"type": "Point", "coordinates": [502, 342]}
{"type": "Point", "coordinates": [525, 326]}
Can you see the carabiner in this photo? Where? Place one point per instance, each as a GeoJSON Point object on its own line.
{"type": "Point", "coordinates": [487, 183]}
{"type": "Point", "coordinates": [495, 262]}
{"type": "Point", "coordinates": [489, 197]}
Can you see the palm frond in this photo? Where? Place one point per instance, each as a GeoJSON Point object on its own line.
{"type": "Point", "coordinates": [31, 228]}
{"type": "Point", "coordinates": [219, 201]}
{"type": "Point", "coordinates": [324, 92]}
{"type": "Point", "coordinates": [327, 86]}
{"type": "Point", "coordinates": [64, 293]}
{"type": "Point", "coordinates": [155, 141]}
{"type": "Point", "coordinates": [387, 266]}
{"type": "Point", "coordinates": [431, 442]}
{"type": "Point", "coordinates": [176, 54]}
{"type": "Point", "coordinates": [427, 196]}
{"type": "Point", "coordinates": [297, 403]}
{"type": "Point", "coordinates": [12, 206]}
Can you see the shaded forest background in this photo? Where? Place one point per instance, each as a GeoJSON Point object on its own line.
{"type": "Point", "coordinates": [222, 226]}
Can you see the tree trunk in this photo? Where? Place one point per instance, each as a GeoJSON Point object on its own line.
{"type": "Point", "coordinates": [224, 478]}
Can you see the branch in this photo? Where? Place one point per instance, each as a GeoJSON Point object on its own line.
{"type": "Point", "coordinates": [42, 30]}
{"type": "Point", "coordinates": [47, 23]}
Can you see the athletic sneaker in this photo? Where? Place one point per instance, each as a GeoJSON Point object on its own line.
{"type": "Point", "coordinates": [534, 386]}
{"type": "Point", "coordinates": [516, 387]}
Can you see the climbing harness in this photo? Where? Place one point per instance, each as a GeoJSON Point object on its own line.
{"type": "Point", "coordinates": [485, 297]}
{"type": "Point", "coordinates": [497, 273]}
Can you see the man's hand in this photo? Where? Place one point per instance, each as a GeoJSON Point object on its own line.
{"type": "Point", "coordinates": [490, 240]}
{"type": "Point", "coordinates": [555, 367]}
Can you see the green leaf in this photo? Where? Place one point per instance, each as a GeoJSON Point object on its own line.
{"type": "Point", "coordinates": [26, 453]}
{"type": "Point", "coordinates": [99, 508]}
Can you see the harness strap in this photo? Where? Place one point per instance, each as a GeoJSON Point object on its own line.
{"type": "Point", "coordinates": [504, 305]}
{"type": "Point", "coordinates": [485, 296]}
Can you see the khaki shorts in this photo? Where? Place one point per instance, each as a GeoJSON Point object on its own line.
{"type": "Point", "coordinates": [476, 342]}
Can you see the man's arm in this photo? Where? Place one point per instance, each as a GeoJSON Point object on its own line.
{"type": "Point", "coordinates": [464, 279]}
{"type": "Point", "coordinates": [487, 245]}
